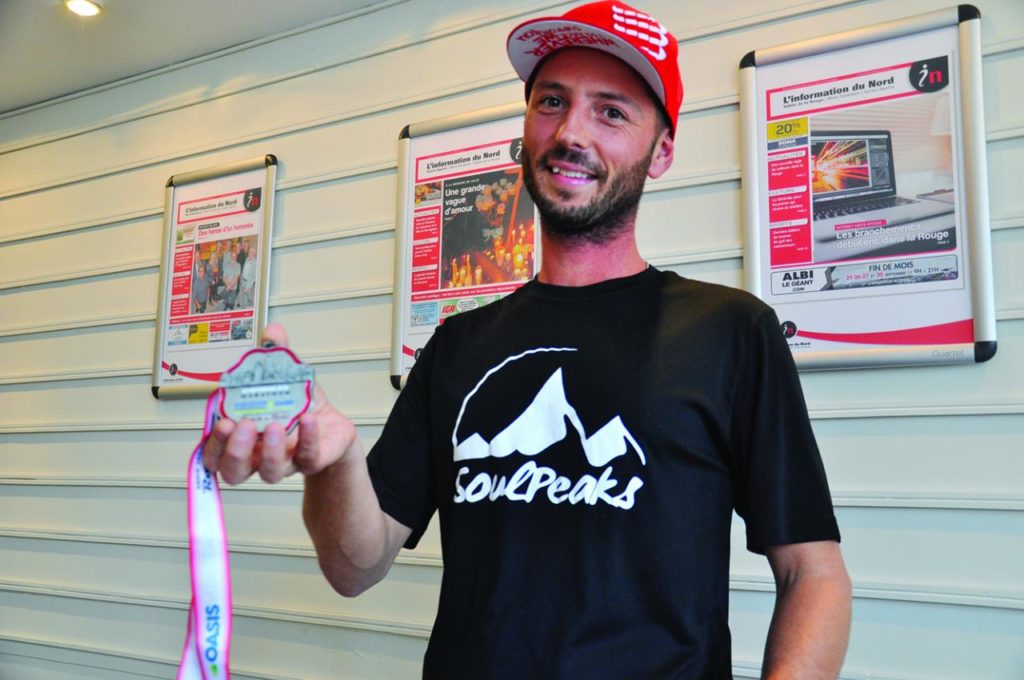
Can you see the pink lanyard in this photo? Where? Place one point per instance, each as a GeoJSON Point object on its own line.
{"type": "Point", "coordinates": [208, 638]}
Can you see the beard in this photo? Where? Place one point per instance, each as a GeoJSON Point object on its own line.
{"type": "Point", "coordinates": [607, 215]}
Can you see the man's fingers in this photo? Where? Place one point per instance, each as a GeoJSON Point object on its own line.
{"type": "Point", "coordinates": [236, 451]}
{"type": "Point", "coordinates": [307, 452]}
{"type": "Point", "coordinates": [213, 449]}
{"type": "Point", "coordinates": [274, 333]}
{"type": "Point", "coordinates": [275, 463]}
{"type": "Point", "coordinates": [237, 462]}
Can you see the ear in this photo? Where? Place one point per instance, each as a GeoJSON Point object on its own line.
{"type": "Point", "coordinates": [664, 153]}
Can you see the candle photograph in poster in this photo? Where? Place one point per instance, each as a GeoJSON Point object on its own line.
{"type": "Point", "coordinates": [487, 232]}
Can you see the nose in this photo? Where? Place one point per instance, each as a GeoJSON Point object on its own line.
{"type": "Point", "coordinates": [574, 129]}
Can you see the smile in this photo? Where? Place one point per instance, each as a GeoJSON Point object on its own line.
{"type": "Point", "coordinates": [572, 174]}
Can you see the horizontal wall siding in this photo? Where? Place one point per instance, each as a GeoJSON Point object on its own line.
{"type": "Point", "coordinates": [924, 463]}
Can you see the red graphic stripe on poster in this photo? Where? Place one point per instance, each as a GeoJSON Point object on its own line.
{"type": "Point", "coordinates": [222, 201]}
{"type": "Point", "coordinates": [857, 74]}
{"type": "Point", "coordinates": [843, 91]}
{"type": "Point", "coordinates": [790, 245]}
{"type": "Point", "coordinates": [426, 254]}
{"type": "Point", "coordinates": [180, 308]}
{"type": "Point", "coordinates": [836, 107]}
{"type": "Point", "coordinates": [207, 377]}
{"type": "Point", "coordinates": [408, 351]}
{"type": "Point", "coordinates": [426, 224]}
{"type": "Point", "coordinates": [472, 171]}
{"type": "Point", "coordinates": [424, 280]}
{"type": "Point", "coordinates": [954, 332]}
{"type": "Point", "coordinates": [426, 166]}
{"type": "Point", "coordinates": [181, 285]}
{"type": "Point", "coordinates": [449, 293]}
{"type": "Point", "coordinates": [450, 152]}
{"type": "Point", "coordinates": [789, 196]}
{"type": "Point", "coordinates": [223, 316]}
{"type": "Point", "coordinates": [848, 260]}
{"type": "Point", "coordinates": [183, 260]}
{"type": "Point", "coordinates": [847, 76]}
{"type": "Point", "coordinates": [867, 224]}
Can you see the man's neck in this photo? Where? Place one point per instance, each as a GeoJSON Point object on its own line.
{"type": "Point", "coordinates": [581, 263]}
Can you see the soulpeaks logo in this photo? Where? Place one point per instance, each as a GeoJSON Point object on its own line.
{"type": "Point", "coordinates": [548, 421]}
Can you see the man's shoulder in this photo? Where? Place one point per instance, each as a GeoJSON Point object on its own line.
{"type": "Point", "coordinates": [712, 299]}
{"type": "Point", "coordinates": [694, 295]}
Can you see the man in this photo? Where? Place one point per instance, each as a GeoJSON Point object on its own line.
{"type": "Point", "coordinates": [200, 289]}
{"type": "Point", "coordinates": [223, 253]}
{"type": "Point", "coordinates": [586, 439]}
{"type": "Point", "coordinates": [231, 273]}
{"type": "Point", "coordinates": [243, 248]}
{"type": "Point", "coordinates": [247, 280]}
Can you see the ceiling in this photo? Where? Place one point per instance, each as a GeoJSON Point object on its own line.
{"type": "Point", "coordinates": [46, 51]}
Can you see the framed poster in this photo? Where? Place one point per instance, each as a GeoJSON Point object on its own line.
{"type": "Point", "coordinates": [466, 232]}
{"type": "Point", "coordinates": [214, 268]}
{"type": "Point", "coordinates": [866, 195]}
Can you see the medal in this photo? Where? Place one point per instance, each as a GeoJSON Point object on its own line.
{"type": "Point", "coordinates": [267, 385]}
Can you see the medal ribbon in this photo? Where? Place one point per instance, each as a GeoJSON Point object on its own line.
{"type": "Point", "coordinates": [208, 637]}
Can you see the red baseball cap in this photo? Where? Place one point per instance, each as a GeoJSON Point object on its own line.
{"type": "Point", "coordinates": [613, 27]}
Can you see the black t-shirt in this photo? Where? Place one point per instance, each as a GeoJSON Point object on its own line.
{"type": "Point", "coordinates": [585, 448]}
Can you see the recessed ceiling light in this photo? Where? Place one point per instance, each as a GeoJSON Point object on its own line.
{"type": "Point", "coordinates": [84, 8]}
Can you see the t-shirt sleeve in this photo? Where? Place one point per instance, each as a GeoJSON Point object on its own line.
{"type": "Point", "coordinates": [778, 477]}
{"type": "Point", "coordinates": [400, 461]}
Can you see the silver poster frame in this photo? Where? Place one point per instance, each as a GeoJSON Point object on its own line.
{"type": "Point", "coordinates": [972, 174]}
{"type": "Point", "coordinates": [192, 388]}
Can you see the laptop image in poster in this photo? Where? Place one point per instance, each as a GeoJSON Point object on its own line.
{"type": "Point", "coordinates": [853, 185]}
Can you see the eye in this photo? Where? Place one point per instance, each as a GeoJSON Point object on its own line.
{"type": "Point", "coordinates": [550, 101]}
{"type": "Point", "coordinates": [613, 113]}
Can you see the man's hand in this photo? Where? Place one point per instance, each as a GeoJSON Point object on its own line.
{"type": "Point", "coordinates": [355, 540]}
{"type": "Point", "coordinates": [322, 438]}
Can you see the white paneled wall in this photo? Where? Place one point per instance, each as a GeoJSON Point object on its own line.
{"type": "Point", "coordinates": [926, 464]}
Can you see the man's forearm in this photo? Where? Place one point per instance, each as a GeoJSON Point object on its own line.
{"type": "Point", "coordinates": [355, 540]}
{"type": "Point", "coordinates": [811, 624]}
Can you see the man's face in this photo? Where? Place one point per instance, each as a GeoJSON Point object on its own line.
{"type": "Point", "coordinates": [591, 138]}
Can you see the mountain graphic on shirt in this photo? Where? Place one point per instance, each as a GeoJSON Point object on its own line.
{"type": "Point", "coordinates": [543, 424]}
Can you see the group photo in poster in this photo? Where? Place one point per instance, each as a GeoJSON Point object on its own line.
{"type": "Point", "coordinates": [224, 275]}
